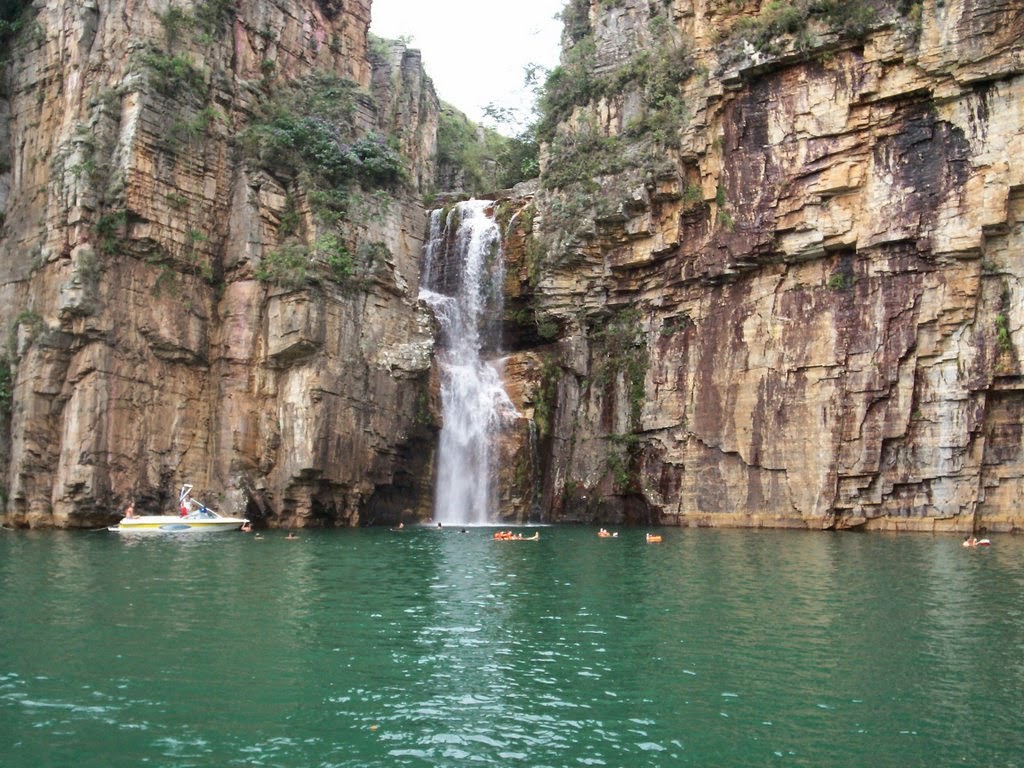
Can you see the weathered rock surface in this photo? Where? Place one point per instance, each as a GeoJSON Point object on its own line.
{"type": "Point", "coordinates": [771, 276]}
{"type": "Point", "coordinates": [144, 349]}
{"type": "Point", "coordinates": [815, 275]}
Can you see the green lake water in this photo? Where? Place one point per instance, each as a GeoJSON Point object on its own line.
{"type": "Point", "coordinates": [441, 648]}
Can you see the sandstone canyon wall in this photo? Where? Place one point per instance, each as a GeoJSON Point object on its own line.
{"type": "Point", "coordinates": [788, 290]}
{"type": "Point", "coordinates": [771, 273]}
{"type": "Point", "coordinates": [184, 297]}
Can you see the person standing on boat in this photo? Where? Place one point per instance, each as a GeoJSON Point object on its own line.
{"type": "Point", "coordinates": [129, 511]}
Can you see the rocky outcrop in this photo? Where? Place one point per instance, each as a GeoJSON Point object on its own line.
{"type": "Point", "coordinates": [786, 291]}
{"type": "Point", "coordinates": [186, 300]}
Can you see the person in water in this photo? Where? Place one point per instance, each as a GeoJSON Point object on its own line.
{"type": "Point", "coordinates": [291, 535]}
{"type": "Point", "coordinates": [970, 541]}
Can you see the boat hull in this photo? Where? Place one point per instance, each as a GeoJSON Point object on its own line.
{"type": "Point", "coordinates": [169, 524]}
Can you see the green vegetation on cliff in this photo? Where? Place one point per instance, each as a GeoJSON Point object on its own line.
{"type": "Point", "coordinates": [482, 159]}
{"type": "Point", "coordinates": [305, 135]}
{"type": "Point", "coordinates": [12, 18]}
{"type": "Point", "coordinates": [172, 73]}
{"type": "Point", "coordinates": [307, 127]}
{"type": "Point", "coordinates": [619, 349]}
{"type": "Point", "coordinates": [619, 360]}
{"type": "Point", "coordinates": [658, 68]}
{"type": "Point", "coordinates": [205, 20]}
{"type": "Point", "coordinates": [655, 71]}
{"type": "Point", "coordinates": [175, 76]}
{"type": "Point", "coordinates": [6, 387]}
{"type": "Point", "coordinates": [781, 21]}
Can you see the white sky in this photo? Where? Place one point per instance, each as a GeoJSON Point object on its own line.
{"type": "Point", "coordinates": [475, 51]}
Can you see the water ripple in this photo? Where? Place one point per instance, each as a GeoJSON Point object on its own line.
{"type": "Point", "coordinates": [430, 649]}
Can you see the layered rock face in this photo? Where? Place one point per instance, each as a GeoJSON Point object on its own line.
{"type": "Point", "coordinates": [182, 305]}
{"type": "Point", "coordinates": [771, 274]}
{"type": "Point", "coordinates": [790, 293]}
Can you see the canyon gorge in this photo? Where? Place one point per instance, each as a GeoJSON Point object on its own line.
{"type": "Point", "coordinates": [769, 274]}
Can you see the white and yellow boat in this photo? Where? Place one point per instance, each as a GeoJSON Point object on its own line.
{"type": "Point", "coordinates": [193, 517]}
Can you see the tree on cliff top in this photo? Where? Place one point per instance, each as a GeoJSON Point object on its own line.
{"type": "Point", "coordinates": [481, 158]}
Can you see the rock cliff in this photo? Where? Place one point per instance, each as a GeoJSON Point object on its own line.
{"type": "Point", "coordinates": [773, 274]}
{"type": "Point", "coordinates": [209, 262]}
{"type": "Point", "coordinates": [770, 275]}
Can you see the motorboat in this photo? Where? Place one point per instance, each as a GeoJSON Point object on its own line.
{"type": "Point", "coordinates": [193, 517]}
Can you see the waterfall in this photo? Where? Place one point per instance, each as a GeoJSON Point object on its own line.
{"type": "Point", "coordinates": [462, 280]}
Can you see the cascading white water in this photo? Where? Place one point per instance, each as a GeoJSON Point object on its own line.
{"type": "Point", "coordinates": [462, 281]}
